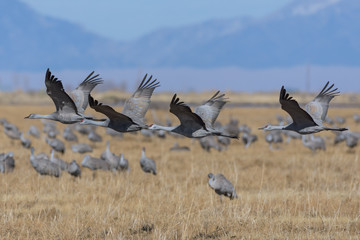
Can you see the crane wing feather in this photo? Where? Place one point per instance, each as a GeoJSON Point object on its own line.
{"type": "Point", "coordinates": [318, 107]}
{"type": "Point", "coordinates": [56, 92]}
{"type": "Point", "coordinates": [299, 116]}
{"type": "Point", "coordinates": [209, 111]}
{"type": "Point", "coordinates": [138, 104]}
{"type": "Point", "coordinates": [185, 115]}
{"type": "Point", "coordinates": [81, 93]}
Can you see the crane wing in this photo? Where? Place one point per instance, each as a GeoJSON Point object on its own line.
{"type": "Point", "coordinates": [56, 92]}
{"type": "Point", "coordinates": [210, 110]}
{"type": "Point", "coordinates": [108, 111]}
{"type": "Point", "coordinates": [137, 105]}
{"type": "Point", "coordinates": [80, 95]}
{"type": "Point", "coordinates": [318, 107]}
{"type": "Point", "coordinates": [299, 116]}
{"type": "Point", "coordinates": [185, 115]}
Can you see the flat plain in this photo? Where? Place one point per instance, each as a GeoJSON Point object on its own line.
{"type": "Point", "coordinates": [287, 193]}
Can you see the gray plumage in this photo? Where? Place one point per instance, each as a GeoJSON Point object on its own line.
{"type": "Point", "coordinates": [147, 164]}
{"type": "Point", "coordinates": [7, 162]}
{"type": "Point", "coordinates": [273, 137]}
{"type": "Point", "coordinates": [94, 137]}
{"type": "Point", "coordinates": [112, 159]}
{"type": "Point", "coordinates": [314, 143]}
{"type": "Point", "coordinates": [69, 135]}
{"type": "Point", "coordinates": [11, 131]}
{"type": "Point", "coordinates": [34, 131]}
{"type": "Point", "coordinates": [351, 140]}
{"type": "Point", "coordinates": [177, 148]}
{"type": "Point", "coordinates": [199, 123]}
{"type": "Point", "coordinates": [84, 130]}
{"type": "Point", "coordinates": [74, 169]}
{"type": "Point", "coordinates": [222, 186]}
{"type": "Point", "coordinates": [248, 139]}
{"type": "Point", "coordinates": [209, 142]}
{"type": "Point", "coordinates": [311, 119]}
{"type": "Point", "coordinates": [124, 163]}
{"type": "Point", "coordinates": [81, 148]}
{"type": "Point", "coordinates": [56, 144]}
{"type": "Point", "coordinates": [356, 118]}
{"type": "Point", "coordinates": [68, 110]}
{"type": "Point", "coordinates": [25, 142]}
{"type": "Point", "coordinates": [58, 161]}
{"type": "Point", "coordinates": [42, 165]}
{"type": "Point", "coordinates": [132, 118]}
{"type": "Point", "coordinates": [95, 163]}
{"type": "Point", "coordinates": [81, 94]}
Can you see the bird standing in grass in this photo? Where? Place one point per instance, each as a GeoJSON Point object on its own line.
{"type": "Point", "coordinates": [147, 164]}
{"type": "Point", "coordinates": [222, 186]}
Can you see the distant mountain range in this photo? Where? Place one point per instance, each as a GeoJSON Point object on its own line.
{"type": "Point", "coordinates": [318, 32]}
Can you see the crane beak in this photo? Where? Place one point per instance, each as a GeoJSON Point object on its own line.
{"type": "Point", "coordinates": [261, 128]}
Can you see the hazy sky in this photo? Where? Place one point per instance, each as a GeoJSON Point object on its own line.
{"type": "Point", "coordinates": [126, 20]}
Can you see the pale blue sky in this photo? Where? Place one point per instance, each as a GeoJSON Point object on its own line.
{"type": "Point", "coordinates": [127, 20]}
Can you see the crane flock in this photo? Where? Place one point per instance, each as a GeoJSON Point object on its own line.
{"type": "Point", "coordinates": [198, 124]}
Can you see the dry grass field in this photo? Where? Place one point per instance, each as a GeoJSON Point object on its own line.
{"type": "Point", "coordinates": [289, 193]}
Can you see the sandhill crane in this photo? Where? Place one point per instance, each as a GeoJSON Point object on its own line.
{"type": "Point", "coordinates": [124, 163]}
{"type": "Point", "coordinates": [25, 142]}
{"type": "Point", "coordinates": [351, 141]}
{"type": "Point", "coordinates": [81, 148]}
{"type": "Point", "coordinates": [248, 138]}
{"type": "Point", "coordinates": [273, 137]}
{"type": "Point", "coordinates": [7, 162]}
{"type": "Point", "coordinates": [74, 169]}
{"type": "Point", "coordinates": [94, 137]}
{"type": "Point", "coordinates": [59, 162]}
{"type": "Point", "coordinates": [50, 129]}
{"type": "Point", "coordinates": [11, 131]}
{"type": "Point", "coordinates": [111, 158]}
{"type": "Point", "coordinates": [147, 164]}
{"type": "Point", "coordinates": [56, 144]}
{"type": "Point", "coordinates": [69, 135]}
{"type": "Point", "coordinates": [132, 117]}
{"type": "Point", "coordinates": [67, 110]}
{"type": "Point", "coordinates": [222, 186]}
{"type": "Point", "coordinates": [95, 163]}
{"type": "Point", "coordinates": [177, 148]}
{"type": "Point", "coordinates": [313, 143]}
{"type": "Point", "coordinates": [84, 130]}
{"type": "Point", "coordinates": [42, 164]}
{"type": "Point", "coordinates": [196, 124]}
{"type": "Point", "coordinates": [209, 142]}
{"type": "Point", "coordinates": [232, 128]}
{"type": "Point", "coordinates": [311, 119]}
{"type": "Point", "coordinates": [34, 131]}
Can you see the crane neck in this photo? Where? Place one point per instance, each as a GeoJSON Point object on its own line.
{"type": "Point", "coordinates": [95, 123]}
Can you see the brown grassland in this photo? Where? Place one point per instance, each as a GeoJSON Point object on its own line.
{"type": "Point", "coordinates": [289, 193]}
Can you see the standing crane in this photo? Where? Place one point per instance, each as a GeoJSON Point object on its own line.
{"type": "Point", "coordinates": [311, 119]}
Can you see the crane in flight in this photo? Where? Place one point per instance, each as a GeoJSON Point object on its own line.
{"type": "Point", "coordinates": [196, 124]}
{"type": "Point", "coordinates": [132, 117]}
{"type": "Point", "coordinates": [68, 110]}
{"type": "Point", "coordinates": [311, 119]}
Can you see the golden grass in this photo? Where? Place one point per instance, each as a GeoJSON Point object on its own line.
{"type": "Point", "coordinates": [284, 194]}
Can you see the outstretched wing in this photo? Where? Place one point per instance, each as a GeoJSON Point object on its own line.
{"type": "Point", "coordinates": [185, 115]}
{"type": "Point", "coordinates": [108, 111]}
{"type": "Point", "coordinates": [61, 99]}
{"type": "Point", "coordinates": [138, 104]}
{"type": "Point", "coordinates": [210, 110]}
{"type": "Point", "coordinates": [299, 116]}
{"type": "Point", "coordinates": [81, 94]}
{"type": "Point", "coordinates": [318, 107]}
